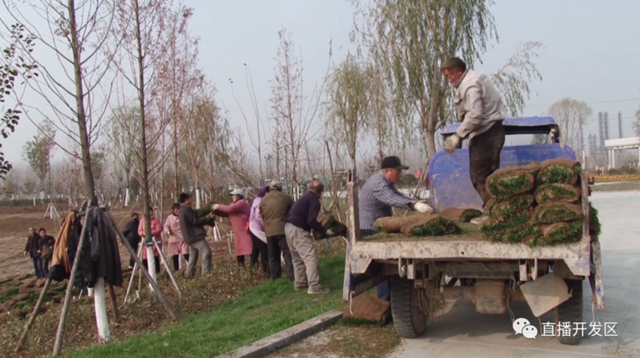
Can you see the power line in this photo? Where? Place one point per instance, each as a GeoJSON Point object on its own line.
{"type": "Point", "coordinates": [597, 102]}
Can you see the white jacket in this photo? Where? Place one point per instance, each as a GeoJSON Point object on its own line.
{"type": "Point", "coordinates": [478, 104]}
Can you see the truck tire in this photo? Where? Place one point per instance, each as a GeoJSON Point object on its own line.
{"type": "Point", "coordinates": [409, 317]}
{"type": "Point", "coordinates": [572, 311]}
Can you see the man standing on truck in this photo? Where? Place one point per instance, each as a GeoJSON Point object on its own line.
{"type": "Point", "coordinates": [378, 196]}
{"type": "Point", "coordinates": [479, 108]}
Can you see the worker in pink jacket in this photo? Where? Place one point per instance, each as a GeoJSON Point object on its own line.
{"type": "Point", "coordinates": [177, 246]}
{"type": "Point", "coordinates": [239, 216]}
{"type": "Point", "coordinates": [156, 233]}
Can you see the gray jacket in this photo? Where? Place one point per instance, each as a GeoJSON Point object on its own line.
{"type": "Point", "coordinates": [478, 104]}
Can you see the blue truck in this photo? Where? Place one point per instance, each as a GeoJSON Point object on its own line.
{"type": "Point", "coordinates": [428, 275]}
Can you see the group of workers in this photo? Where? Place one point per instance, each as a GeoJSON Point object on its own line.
{"type": "Point", "coordinates": [272, 227]}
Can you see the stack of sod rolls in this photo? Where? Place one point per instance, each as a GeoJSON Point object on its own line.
{"type": "Point", "coordinates": [537, 204]}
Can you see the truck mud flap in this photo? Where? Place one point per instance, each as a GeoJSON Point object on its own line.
{"type": "Point", "coordinates": [545, 293]}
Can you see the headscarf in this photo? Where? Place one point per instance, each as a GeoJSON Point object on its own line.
{"type": "Point", "coordinates": [262, 192]}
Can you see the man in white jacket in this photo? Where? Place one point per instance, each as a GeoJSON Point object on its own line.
{"type": "Point", "coordinates": [479, 107]}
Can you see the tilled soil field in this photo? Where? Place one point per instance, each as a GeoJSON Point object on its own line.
{"type": "Point", "coordinates": [19, 290]}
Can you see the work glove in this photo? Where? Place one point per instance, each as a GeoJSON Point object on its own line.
{"type": "Point", "coordinates": [422, 207]}
{"type": "Point", "coordinates": [451, 143]}
{"type": "Point", "coordinates": [215, 207]}
{"type": "Point", "coordinates": [330, 233]}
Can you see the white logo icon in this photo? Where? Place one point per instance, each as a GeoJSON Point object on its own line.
{"type": "Point", "coordinates": [519, 324]}
{"type": "Point", "coordinates": [524, 327]}
{"type": "Point", "coordinates": [530, 332]}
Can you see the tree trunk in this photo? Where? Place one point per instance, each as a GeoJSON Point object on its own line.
{"type": "Point", "coordinates": [89, 184]}
{"type": "Point", "coordinates": [143, 132]}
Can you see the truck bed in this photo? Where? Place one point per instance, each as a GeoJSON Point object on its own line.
{"type": "Point", "coordinates": [466, 246]}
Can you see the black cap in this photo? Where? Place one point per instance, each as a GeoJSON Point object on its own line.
{"type": "Point", "coordinates": [392, 162]}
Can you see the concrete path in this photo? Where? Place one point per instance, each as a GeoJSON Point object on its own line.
{"type": "Point", "coordinates": [464, 333]}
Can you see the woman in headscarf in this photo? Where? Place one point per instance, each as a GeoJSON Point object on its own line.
{"type": "Point", "coordinates": [256, 231]}
{"type": "Point", "coordinates": [156, 233]}
{"type": "Point", "coordinates": [238, 212]}
{"type": "Point", "coordinates": [177, 246]}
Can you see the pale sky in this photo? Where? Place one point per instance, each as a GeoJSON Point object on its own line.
{"type": "Point", "coordinates": [590, 54]}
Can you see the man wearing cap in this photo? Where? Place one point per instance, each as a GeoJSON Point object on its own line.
{"type": "Point", "coordinates": [378, 196]}
{"type": "Point", "coordinates": [479, 107]}
{"type": "Point", "coordinates": [195, 235]}
{"type": "Point", "coordinates": [274, 208]}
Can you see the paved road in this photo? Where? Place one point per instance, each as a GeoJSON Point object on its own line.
{"type": "Point", "coordinates": [464, 333]}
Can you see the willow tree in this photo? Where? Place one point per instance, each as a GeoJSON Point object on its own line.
{"type": "Point", "coordinates": [409, 39]}
{"type": "Point", "coordinates": [348, 104]}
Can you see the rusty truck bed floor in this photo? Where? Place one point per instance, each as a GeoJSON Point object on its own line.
{"type": "Point", "coordinates": [469, 232]}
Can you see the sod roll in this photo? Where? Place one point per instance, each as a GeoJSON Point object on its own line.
{"type": "Point", "coordinates": [559, 171]}
{"type": "Point", "coordinates": [502, 209]}
{"type": "Point", "coordinates": [460, 215]}
{"type": "Point", "coordinates": [564, 193]}
{"type": "Point", "coordinates": [514, 223]}
{"type": "Point", "coordinates": [393, 224]}
{"type": "Point", "coordinates": [430, 225]}
{"type": "Point", "coordinates": [511, 181]}
{"type": "Point", "coordinates": [561, 233]}
{"type": "Point", "coordinates": [330, 223]}
{"type": "Point", "coordinates": [553, 212]}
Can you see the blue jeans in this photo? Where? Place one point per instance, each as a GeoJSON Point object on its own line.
{"type": "Point", "coordinates": [383, 289]}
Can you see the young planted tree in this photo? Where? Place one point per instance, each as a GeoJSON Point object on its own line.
{"type": "Point", "coordinates": [13, 68]}
{"type": "Point", "coordinates": [141, 24]}
{"type": "Point", "coordinates": [201, 131]}
{"type": "Point", "coordinates": [348, 105]}
{"type": "Point", "coordinates": [409, 40]}
{"type": "Point", "coordinates": [77, 32]}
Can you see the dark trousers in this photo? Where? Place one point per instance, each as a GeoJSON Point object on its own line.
{"type": "Point", "coordinates": [37, 266]}
{"type": "Point", "coordinates": [383, 289]}
{"type": "Point", "coordinates": [145, 262]}
{"type": "Point", "coordinates": [45, 266]}
{"type": "Point", "coordinates": [484, 158]}
{"type": "Point", "coordinates": [176, 260]}
{"type": "Point", "coordinates": [259, 249]}
{"type": "Point", "coordinates": [240, 260]}
{"type": "Point", "coordinates": [275, 246]}
{"type": "Point", "coordinates": [134, 244]}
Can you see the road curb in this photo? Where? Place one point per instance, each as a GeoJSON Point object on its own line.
{"type": "Point", "coordinates": [284, 338]}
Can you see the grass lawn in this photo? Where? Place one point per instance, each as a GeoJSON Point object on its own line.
{"type": "Point", "coordinates": [620, 186]}
{"type": "Point", "coordinates": [259, 312]}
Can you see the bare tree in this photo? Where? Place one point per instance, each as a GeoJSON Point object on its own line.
{"type": "Point", "coordinates": [571, 115]}
{"type": "Point", "coordinates": [37, 152]}
{"type": "Point", "coordinates": [292, 114]}
{"type": "Point", "coordinates": [142, 24]}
